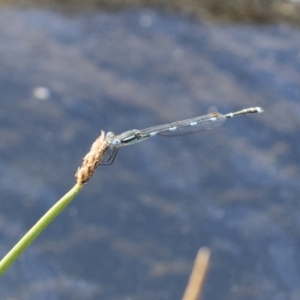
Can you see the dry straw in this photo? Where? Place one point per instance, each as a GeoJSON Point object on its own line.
{"type": "Point", "coordinates": [195, 284]}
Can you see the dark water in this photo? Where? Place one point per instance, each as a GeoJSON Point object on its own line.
{"type": "Point", "coordinates": [135, 229]}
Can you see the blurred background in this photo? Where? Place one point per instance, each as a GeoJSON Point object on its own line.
{"type": "Point", "coordinates": [69, 69]}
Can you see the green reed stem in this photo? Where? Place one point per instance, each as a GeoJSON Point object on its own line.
{"type": "Point", "coordinates": [31, 235]}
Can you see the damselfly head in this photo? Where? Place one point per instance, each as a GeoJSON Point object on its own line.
{"type": "Point", "coordinates": [111, 140]}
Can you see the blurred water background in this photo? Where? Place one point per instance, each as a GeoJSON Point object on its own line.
{"type": "Point", "coordinates": [68, 70]}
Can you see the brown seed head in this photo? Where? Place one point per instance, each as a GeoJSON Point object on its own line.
{"type": "Point", "coordinates": [92, 160]}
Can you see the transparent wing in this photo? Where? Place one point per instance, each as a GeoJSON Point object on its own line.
{"type": "Point", "coordinates": [188, 126]}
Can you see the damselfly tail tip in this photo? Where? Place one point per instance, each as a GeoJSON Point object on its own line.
{"type": "Point", "coordinates": [258, 110]}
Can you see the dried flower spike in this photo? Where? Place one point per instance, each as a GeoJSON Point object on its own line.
{"type": "Point", "coordinates": [92, 160]}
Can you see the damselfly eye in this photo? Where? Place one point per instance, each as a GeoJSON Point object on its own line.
{"type": "Point", "coordinates": [116, 142]}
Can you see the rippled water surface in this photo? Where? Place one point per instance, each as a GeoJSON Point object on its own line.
{"type": "Point", "coordinates": [135, 229]}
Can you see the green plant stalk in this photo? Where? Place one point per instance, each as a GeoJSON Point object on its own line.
{"type": "Point", "coordinates": [32, 234]}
